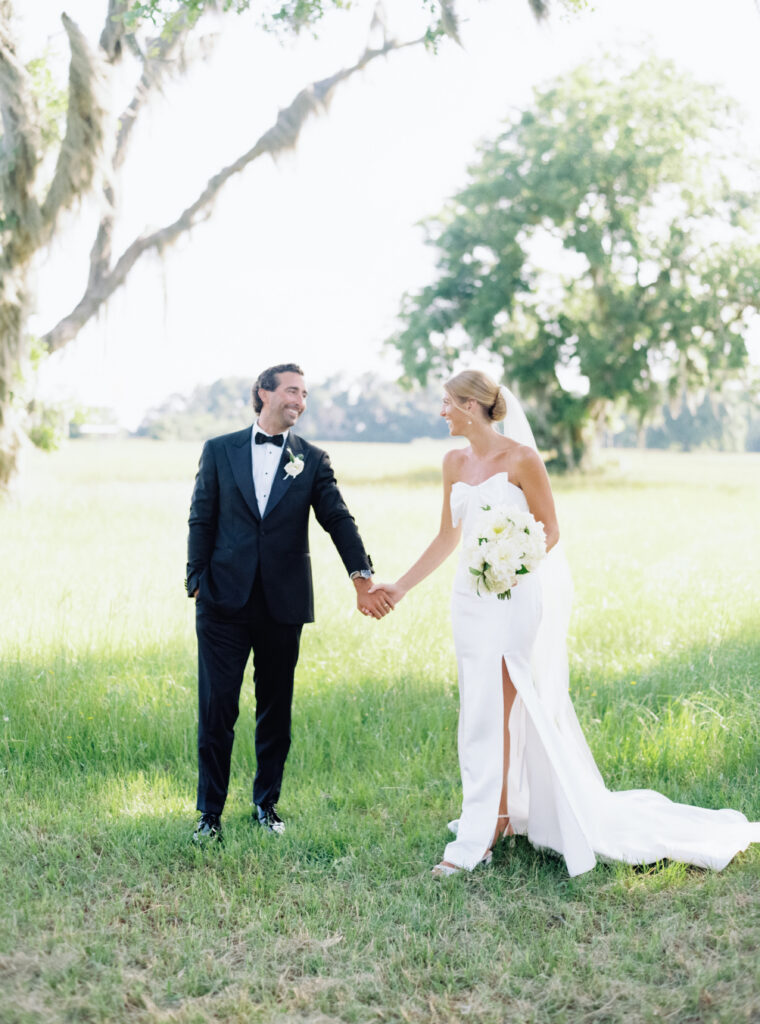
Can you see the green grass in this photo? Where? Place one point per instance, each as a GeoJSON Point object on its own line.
{"type": "Point", "coordinates": [110, 914]}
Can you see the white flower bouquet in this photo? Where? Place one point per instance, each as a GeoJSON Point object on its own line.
{"type": "Point", "coordinates": [507, 543]}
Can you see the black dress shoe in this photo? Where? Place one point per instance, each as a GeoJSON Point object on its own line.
{"type": "Point", "coordinates": [269, 819]}
{"type": "Point", "coordinates": [209, 829]}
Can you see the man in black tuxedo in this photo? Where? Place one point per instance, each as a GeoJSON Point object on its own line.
{"type": "Point", "coordinates": [249, 571]}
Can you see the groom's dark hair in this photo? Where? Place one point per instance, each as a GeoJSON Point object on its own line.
{"type": "Point", "coordinates": [269, 379]}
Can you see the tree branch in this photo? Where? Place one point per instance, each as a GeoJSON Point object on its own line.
{"type": "Point", "coordinates": [159, 52]}
{"type": "Point", "coordinates": [114, 32]}
{"type": "Point", "coordinates": [85, 120]}
{"type": "Point", "coordinates": [19, 145]}
{"type": "Point", "coordinates": [282, 136]}
{"type": "Point", "coordinates": [155, 65]}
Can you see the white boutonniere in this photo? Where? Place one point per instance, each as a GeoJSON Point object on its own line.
{"type": "Point", "coordinates": [295, 466]}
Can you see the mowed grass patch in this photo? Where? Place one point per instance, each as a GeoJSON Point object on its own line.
{"type": "Point", "coordinates": [110, 914]}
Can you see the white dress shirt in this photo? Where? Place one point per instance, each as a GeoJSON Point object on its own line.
{"type": "Point", "coordinates": [265, 459]}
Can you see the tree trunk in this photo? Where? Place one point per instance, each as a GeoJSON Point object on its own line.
{"type": "Point", "coordinates": [29, 225]}
{"type": "Point", "coordinates": [12, 318]}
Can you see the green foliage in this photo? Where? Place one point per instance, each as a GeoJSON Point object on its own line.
{"type": "Point", "coordinates": [110, 915]}
{"type": "Point", "coordinates": [51, 100]}
{"type": "Point", "coordinates": [162, 12]}
{"type": "Point", "coordinates": [296, 15]}
{"type": "Point", "coordinates": [601, 252]}
{"type": "Point", "coordinates": [285, 16]}
{"type": "Point", "coordinates": [291, 15]}
{"type": "Point", "coordinates": [45, 425]}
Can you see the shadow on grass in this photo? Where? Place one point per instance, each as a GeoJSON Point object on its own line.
{"type": "Point", "coordinates": [119, 732]}
{"type": "Point", "coordinates": [95, 833]}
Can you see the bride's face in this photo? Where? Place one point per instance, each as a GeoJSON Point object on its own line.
{"type": "Point", "coordinates": [455, 416]}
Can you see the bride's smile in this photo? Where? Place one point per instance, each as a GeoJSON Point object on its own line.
{"type": "Point", "coordinates": [525, 765]}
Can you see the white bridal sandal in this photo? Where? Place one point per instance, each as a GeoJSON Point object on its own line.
{"type": "Point", "coordinates": [447, 870]}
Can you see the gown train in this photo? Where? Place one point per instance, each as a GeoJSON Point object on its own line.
{"type": "Point", "coordinates": [556, 795]}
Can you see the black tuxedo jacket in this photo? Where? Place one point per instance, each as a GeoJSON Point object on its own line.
{"type": "Point", "coordinates": [229, 540]}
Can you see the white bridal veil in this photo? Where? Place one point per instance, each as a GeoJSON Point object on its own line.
{"type": "Point", "coordinates": [549, 663]}
{"type": "Point", "coordinates": [555, 794]}
{"type": "Point", "coordinates": [635, 826]}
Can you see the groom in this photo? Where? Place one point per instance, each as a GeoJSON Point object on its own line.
{"type": "Point", "coordinates": [248, 569]}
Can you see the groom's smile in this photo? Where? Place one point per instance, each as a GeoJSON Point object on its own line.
{"type": "Point", "coordinates": [282, 407]}
{"type": "Point", "coordinates": [249, 569]}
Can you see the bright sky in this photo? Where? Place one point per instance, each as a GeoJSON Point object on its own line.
{"type": "Point", "coordinates": [308, 259]}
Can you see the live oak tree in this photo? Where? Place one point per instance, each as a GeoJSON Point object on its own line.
{"type": "Point", "coordinates": [154, 35]}
{"type": "Point", "coordinates": [604, 251]}
{"type": "Point", "coordinates": [32, 201]}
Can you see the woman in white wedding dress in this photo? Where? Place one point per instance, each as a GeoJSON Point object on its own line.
{"type": "Point", "coordinates": [526, 767]}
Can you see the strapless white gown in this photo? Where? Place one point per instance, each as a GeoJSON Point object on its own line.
{"type": "Point", "coordinates": [556, 795]}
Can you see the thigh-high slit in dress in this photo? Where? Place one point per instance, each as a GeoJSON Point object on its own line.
{"type": "Point", "coordinates": [556, 795]}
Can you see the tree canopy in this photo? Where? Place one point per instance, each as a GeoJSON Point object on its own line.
{"type": "Point", "coordinates": [45, 171]}
{"type": "Point", "coordinates": [603, 252]}
{"type": "Point", "coordinates": [151, 36]}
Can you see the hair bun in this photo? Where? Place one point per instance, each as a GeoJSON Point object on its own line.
{"type": "Point", "coordinates": [499, 408]}
{"type": "Point", "coordinates": [476, 385]}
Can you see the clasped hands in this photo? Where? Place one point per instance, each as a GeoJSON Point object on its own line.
{"type": "Point", "coordinates": [376, 599]}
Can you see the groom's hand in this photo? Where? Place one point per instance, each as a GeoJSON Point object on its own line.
{"type": "Point", "coordinates": [377, 605]}
{"type": "Point", "coordinates": [392, 591]}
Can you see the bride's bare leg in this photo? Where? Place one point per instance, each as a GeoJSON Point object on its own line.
{"type": "Point", "coordinates": [503, 825]}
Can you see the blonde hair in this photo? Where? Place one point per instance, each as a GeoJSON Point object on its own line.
{"type": "Point", "coordinates": [478, 385]}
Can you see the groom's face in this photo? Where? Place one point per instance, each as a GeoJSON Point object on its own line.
{"type": "Point", "coordinates": [282, 407]}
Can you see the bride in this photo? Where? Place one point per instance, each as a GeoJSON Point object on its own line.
{"type": "Point", "coordinates": [525, 764]}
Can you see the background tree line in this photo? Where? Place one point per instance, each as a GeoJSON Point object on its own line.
{"type": "Point", "coordinates": [365, 409]}
{"type": "Point", "coordinates": [372, 409]}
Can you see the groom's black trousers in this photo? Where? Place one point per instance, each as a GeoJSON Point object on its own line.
{"type": "Point", "coordinates": [224, 643]}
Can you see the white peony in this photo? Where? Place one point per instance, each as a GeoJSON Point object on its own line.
{"type": "Point", "coordinates": [507, 543]}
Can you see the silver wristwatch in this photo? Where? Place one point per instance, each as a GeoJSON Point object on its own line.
{"type": "Point", "coordinates": [366, 574]}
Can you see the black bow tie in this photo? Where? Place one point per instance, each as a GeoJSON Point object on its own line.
{"type": "Point", "coordinates": [275, 439]}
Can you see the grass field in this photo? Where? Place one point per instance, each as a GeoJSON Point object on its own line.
{"type": "Point", "coordinates": [110, 914]}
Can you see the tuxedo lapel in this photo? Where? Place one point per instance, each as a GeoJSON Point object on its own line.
{"type": "Point", "coordinates": [283, 482]}
{"type": "Point", "coordinates": [239, 454]}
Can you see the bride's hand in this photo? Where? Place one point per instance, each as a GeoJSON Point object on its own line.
{"type": "Point", "coordinates": [393, 590]}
